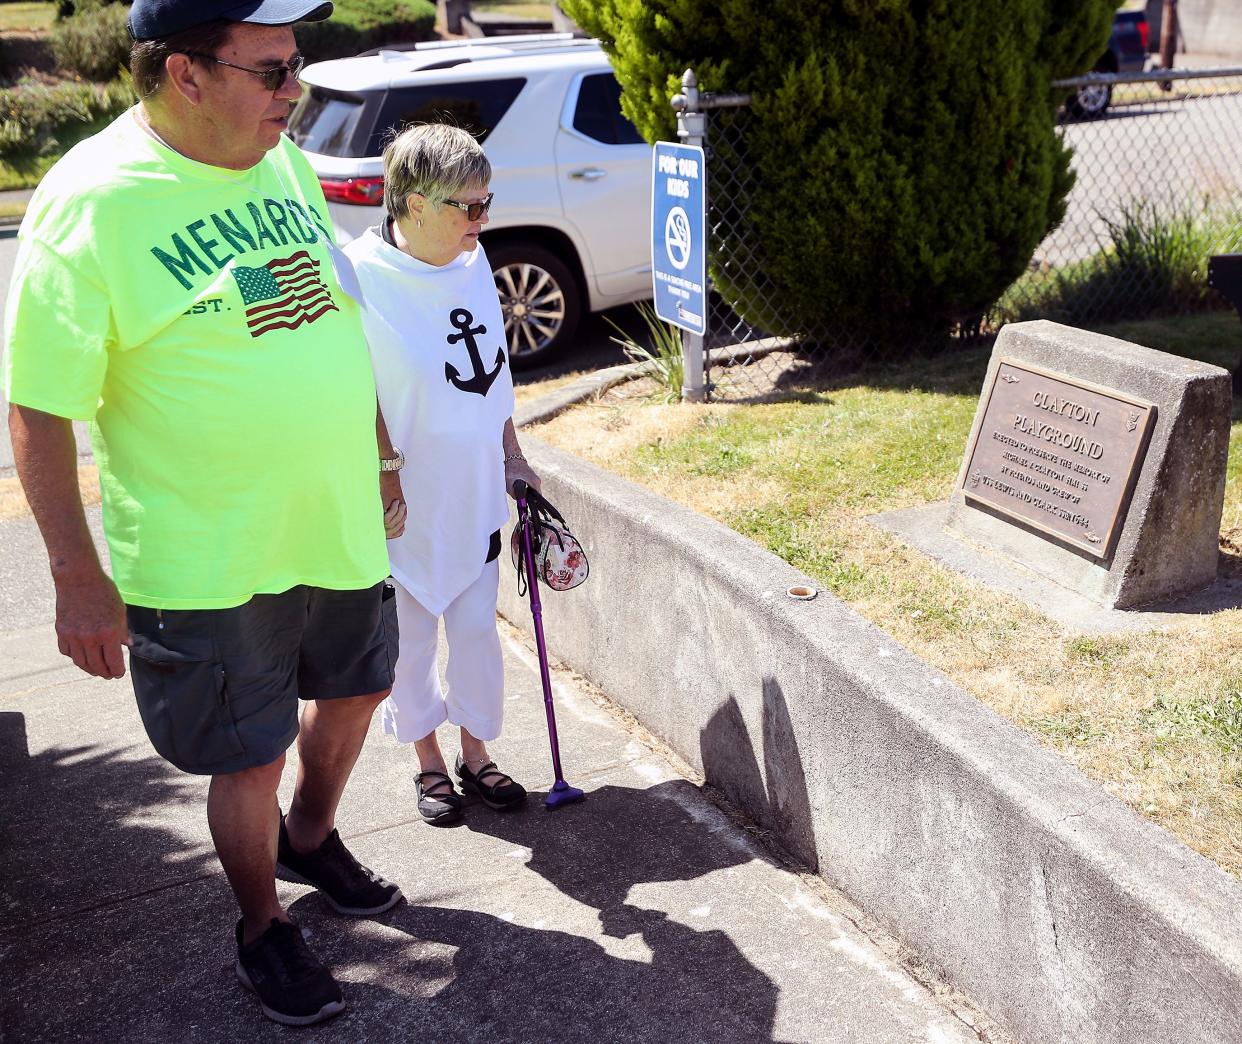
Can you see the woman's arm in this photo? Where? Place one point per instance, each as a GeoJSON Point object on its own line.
{"type": "Point", "coordinates": [516, 466]}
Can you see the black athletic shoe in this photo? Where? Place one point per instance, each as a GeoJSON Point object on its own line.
{"type": "Point", "coordinates": [293, 987]}
{"type": "Point", "coordinates": [348, 885]}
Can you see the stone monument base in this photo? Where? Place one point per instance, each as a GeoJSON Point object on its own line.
{"type": "Point", "coordinates": [924, 529]}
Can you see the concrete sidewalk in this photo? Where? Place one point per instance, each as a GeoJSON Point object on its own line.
{"type": "Point", "coordinates": [642, 914]}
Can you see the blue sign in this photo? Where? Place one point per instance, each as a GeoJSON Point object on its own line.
{"type": "Point", "coordinates": [679, 235]}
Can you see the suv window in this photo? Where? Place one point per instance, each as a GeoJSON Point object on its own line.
{"type": "Point", "coordinates": [598, 113]}
{"type": "Point", "coordinates": [326, 122]}
{"type": "Point", "coordinates": [476, 106]}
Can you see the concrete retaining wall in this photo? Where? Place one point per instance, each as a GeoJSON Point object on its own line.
{"type": "Point", "coordinates": [1047, 901]}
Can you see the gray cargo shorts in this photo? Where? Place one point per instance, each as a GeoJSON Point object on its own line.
{"type": "Point", "coordinates": [218, 689]}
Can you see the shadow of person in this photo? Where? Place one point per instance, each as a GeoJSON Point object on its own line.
{"type": "Point", "coordinates": [775, 797]}
{"type": "Point", "coordinates": [90, 859]}
{"type": "Point", "coordinates": [466, 976]}
{"type": "Point", "coordinates": [697, 984]}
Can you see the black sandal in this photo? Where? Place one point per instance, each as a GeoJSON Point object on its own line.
{"type": "Point", "coordinates": [437, 809]}
{"type": "Point", "coordinates": [497, 790]}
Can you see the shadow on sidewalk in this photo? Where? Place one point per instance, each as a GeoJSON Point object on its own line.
{"type": "Point", "coordinates": [697, 985]}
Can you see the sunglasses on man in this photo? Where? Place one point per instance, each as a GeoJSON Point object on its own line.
{"type": "Point", "coordinates": [273, 79]}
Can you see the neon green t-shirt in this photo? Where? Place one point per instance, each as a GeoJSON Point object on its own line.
{"type": "Point", "coordinates": [194, 315]}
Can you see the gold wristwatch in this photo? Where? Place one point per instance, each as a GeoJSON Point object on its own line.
{"type": "Point", "coordinates": [393, 463]}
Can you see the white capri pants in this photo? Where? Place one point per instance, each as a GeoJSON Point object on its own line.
{"type": "Point", "coordinates": [475, 672]}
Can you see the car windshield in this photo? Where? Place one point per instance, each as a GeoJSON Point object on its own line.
{"type": "Point", "coordinates": [326, 122]}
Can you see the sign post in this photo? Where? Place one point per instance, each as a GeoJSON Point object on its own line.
{"type": "Point", "coordinates": [679, 248]}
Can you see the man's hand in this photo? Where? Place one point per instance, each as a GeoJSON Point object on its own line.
{"type": "Point", "coordinates": [91, 625]}
{"type": "Point", "coordinates": [394, 504]}
{"type": "Point", "coordinates": [519, 469]}
{"type": "Point", "coordinates": [90, 617]}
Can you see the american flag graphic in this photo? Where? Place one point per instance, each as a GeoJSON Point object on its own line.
{"type": "Point", "coordinates": [283, 294]}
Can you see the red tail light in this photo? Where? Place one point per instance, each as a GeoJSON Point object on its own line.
{"type": "Point", "coordinates": [1145, 34]}
{"type": "Point", "coordinates": [362, 192]}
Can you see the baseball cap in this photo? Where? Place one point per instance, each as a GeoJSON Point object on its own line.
{"type": "Point", "coordinates": [154, 19]}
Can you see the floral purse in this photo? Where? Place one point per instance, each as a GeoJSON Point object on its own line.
{"type": "Point", "coordinates": [561, 563]}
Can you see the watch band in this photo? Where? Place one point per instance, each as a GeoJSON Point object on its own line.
{"type": "Point", "coordinates": [393, 463]}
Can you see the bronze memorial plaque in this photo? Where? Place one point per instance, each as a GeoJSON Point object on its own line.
{"type": "Point", "coordinates": [1058, 455]}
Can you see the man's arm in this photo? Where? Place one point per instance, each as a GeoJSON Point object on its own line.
{"type": "Point", "coordinates": [90, 616]}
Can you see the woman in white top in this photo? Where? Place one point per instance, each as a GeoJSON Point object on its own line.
{"type": "Point", "coordinates": [437, 342]}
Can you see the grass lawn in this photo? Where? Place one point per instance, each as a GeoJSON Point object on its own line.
{"type": "Point", "coordinates": [26, 18]}
{"type": "Point", "coordinates": [1155, 717]}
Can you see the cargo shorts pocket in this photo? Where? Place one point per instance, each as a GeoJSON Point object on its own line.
{"type": "Point", "coordinates": [183, 700]}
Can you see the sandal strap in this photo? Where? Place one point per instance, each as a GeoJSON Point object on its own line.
{"type": "Point", "coordinates": [439, 780]}
{"type": "Point", "coordinates": [490, 769]}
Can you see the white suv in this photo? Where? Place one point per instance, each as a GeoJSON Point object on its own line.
{"type": "Point", "coordinates": [570, 225]}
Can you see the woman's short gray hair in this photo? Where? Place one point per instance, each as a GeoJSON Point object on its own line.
{"type": "Point", "coordinates": [436, 161]}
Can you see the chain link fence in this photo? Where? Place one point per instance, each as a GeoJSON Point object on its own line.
{"type": "Point", "coordinates": [1158, 190]}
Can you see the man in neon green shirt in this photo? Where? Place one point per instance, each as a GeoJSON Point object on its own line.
{"type": "Point", "coordinates": [177, 285]}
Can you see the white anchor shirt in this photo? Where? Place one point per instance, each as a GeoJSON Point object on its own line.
{"type": "Point", "coordinates": [442, 373]}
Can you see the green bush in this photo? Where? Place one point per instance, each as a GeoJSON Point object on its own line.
{"type": "Point", "coordinates": [40, 120]}
{"type": "Point", "coordinates": [1155, 263]}
{"type": "Point", "coordinates": [899, 165]}
{"type": "Point", "coordinates": [360, 25]}
{"type": "Point", "coordinates": [68, 8]}
{"type": "Point", "coordinates": [94, 43]}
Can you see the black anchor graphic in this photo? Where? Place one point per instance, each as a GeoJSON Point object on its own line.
{"type": "Point", "coordinates": [481, 382]}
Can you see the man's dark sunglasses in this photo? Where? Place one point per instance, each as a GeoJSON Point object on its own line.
{"type": "Point", "coordinates": [273, 79]}
{"type": "Point", "coordinates": [474, 211]}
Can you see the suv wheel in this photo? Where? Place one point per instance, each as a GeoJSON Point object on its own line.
{"type": "Point", "coordinates": [1090, 100]}
{"type": "Point", "coordinates": [540, 301]}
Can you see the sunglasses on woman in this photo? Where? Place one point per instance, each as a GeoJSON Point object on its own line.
{"type": "Point", "coordinates": [474, 211]}
{"type": "Point", "coordinates": [273, 79]}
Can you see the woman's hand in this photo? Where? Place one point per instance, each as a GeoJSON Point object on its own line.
{"type": "Point", "coordinates": [519, 469]}
{"type": "Point", "coordinates": [394, 504]}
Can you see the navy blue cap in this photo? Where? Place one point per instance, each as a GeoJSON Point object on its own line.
{"type": "Point", "coordinates": [155, 19]}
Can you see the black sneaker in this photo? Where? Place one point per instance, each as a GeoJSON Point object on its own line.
{"type": "Point", "coordinates": [293, 987]}
{"type": "Point", "coordinates": [348, 885]}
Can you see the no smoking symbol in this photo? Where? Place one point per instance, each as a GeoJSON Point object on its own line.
{"type": "Point", "coordinates": [677, 238]}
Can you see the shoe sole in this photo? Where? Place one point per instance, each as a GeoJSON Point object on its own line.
{"type": "Point", "coordinates": [324, 1013]}
{"type": "Point", "coordinates": [445, 818]}
{"type": "Point", "coordinates": [293, 877]}
{"type": "Point", "coordinates": [499, 806]}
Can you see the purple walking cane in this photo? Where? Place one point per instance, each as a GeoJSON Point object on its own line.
{"type": "Point", "coordinates": [561, 793]}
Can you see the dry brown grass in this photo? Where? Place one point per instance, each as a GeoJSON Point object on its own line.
{"type": "Point", "coordinates": [13, 501]}
{"type": "Point", "coordinates": [1133, 712]}
{"type": "Point", "coordinates": [530, 391]}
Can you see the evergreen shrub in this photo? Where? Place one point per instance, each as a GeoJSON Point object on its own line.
{"type": "Point", "coordinates": [900, 162]}
{"type": "Point", "coordinates": [94, 43]}
{"type": "Point", "coordinates": [360, 25]}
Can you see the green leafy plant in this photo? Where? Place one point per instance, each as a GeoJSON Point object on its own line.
{"type": "Point", "coordinates": [664, 358]}
{"type": "Point", "coordinates": [899, 164]}
{"type": "Point", "coordinates": [37, 119]}
{"type": "Point", "coordinates": [1154, 263]}
{"type": "Point", "coordinates": [94, 43]}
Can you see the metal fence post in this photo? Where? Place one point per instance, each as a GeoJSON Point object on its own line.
{"type": "Point", "coordinates": [692, 130]}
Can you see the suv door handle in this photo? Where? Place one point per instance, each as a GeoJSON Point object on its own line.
{"type": "Point", "coordinates": [588, 174]}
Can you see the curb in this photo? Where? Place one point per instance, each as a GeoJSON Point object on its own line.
{"type": "Point", "coordinates": [1030, 888]}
